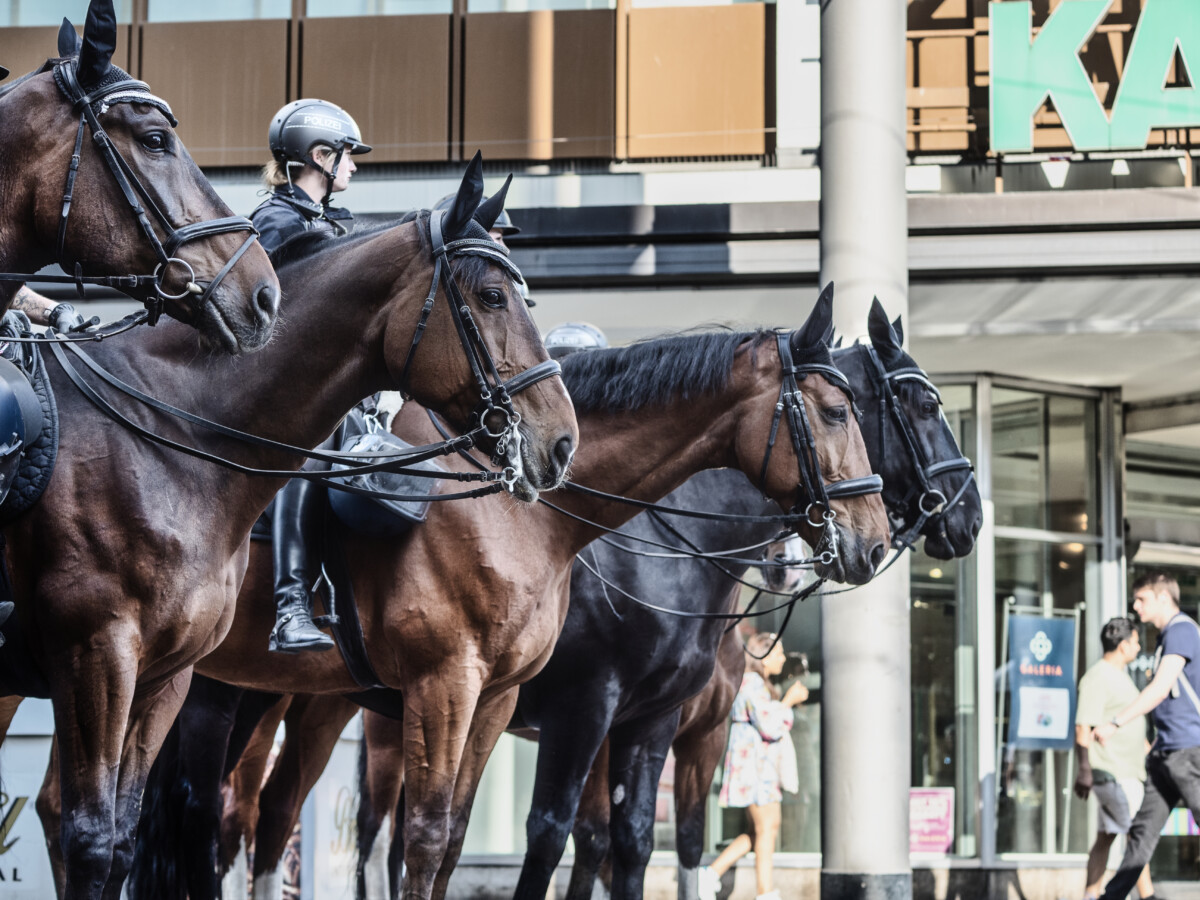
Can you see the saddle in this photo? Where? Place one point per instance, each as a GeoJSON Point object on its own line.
{"type": "Point", "coordinates": [27, 451]}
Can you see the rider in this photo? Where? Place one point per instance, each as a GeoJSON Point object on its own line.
{"type": "Point", "coordinates": [312, 144]}
{"type": "Point", "coordinates": [569, 337]}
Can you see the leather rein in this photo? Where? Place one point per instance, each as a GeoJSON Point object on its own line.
{"type": "Point", "coordinates": [90, 106]}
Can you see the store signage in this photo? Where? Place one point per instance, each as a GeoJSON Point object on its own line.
{"type": "Point", "coordinates": [930, 820]}
{"type": "Point", "coordinates": [1042, 712]}
{"type": "Point", "coordinates": [1025, 70]}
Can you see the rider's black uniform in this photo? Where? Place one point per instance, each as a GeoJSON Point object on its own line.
{"type": "Point", "coordinates": [296, 515]}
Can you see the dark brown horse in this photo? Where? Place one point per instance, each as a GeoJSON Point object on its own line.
{"type": "Point", "coordinates": [468, 606]}
{"type": "Point", "coordinates": [127, 571]}
{"type": "Point", "coordinates": [38, 130]}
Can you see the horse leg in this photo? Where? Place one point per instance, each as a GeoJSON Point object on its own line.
{"type": "Point", "coordinates": [49, 810]}
{"type": "Point", "coordinates": [697, 756]}
{"type": "Point", "coordinates": [492, 716]}
{"type": "Point", "coordinates": [381, 779]}
{"type": "Point", "coordinates": [438, 709]}
{"type": "Point", "coordinates": [150, 718]}
{"type": "Point", "coordinates": [639, 749]}
{"type": "Point", "coordinates": [314, 724]}
{"type": "Point", "coordinates": [239, 816]}
{"type": "Point", "coordinates": [591, 829]}
{"type": "Point", "coordinates": [567, 744]}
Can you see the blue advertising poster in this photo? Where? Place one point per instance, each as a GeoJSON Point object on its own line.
{"type": "Point", "coordinates": [1041, 655]}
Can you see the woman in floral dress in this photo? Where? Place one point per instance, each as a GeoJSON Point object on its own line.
{"type": "Point", "coordinates": [760, 762]}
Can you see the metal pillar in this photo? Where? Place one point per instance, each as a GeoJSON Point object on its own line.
{"type": "Point", "coordinates": [865, 639]}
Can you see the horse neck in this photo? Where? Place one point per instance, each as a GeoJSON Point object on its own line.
{"type": "Point", "coordinates": [647, 453]}
{"type": "Point", "coordinates": [21, 148]}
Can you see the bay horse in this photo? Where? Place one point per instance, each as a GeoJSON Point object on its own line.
{"type": "Point", "coordinates": [104, 225]}
{"type": "Point", "coordinates": [628, 680]}
{"type": "Point", "coordinates": [128, 569]}
{"type": "Point", "coordinates": [467, 606]}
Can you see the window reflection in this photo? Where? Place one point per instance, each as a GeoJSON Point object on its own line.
{"type": "Point", "coordinates": [318, 9]}
{"type": "Point", "coordinates": [25, 13]}
{"type": "Point", "coordinates": [217, 10]}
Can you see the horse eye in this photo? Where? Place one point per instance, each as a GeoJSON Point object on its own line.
{"type": "Point", "coordinates": [836, 413]}
{"type": "Point", "coordinates": [155, 141]}
{"type": "Point", "coordinates": [494, 298]}
{"type": "Point", "coordinates": [929, 408]}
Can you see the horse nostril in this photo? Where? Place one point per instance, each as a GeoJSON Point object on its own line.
{"type": "Point", "coordinates": [564, 449]}
{"type": "Point", "coordinates": [266, 299]}
{"type": "Point", "coordinates": [976, 525]}
{"type": "Point", "coordinates": [878, 552]}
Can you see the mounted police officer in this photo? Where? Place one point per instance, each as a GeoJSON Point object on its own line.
{"type": "Point", "coordinates": [313, 144]}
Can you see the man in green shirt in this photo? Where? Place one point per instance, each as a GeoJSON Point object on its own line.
{"type": "Point", "coordinates": [1116, 771]}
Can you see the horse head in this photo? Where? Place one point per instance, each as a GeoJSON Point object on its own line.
{"type": "Point", "coordinates": [777, 574]}
{"type": "Point", "coordinates": [135, 202]}
{"type": "Point", "coordinates": [477, 341]}
{"type": "Point", "coordinates": [849, 526]}
{"type": "Point", "coordinates": [936, 479]}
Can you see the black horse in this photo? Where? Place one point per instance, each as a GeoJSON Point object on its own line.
{"type": "Point", "coordinates": [624, 672]}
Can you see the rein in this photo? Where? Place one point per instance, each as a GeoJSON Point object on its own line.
{"type": "Point", "coordinates": [131, 91]}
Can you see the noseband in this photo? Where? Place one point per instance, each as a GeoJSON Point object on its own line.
{"type": "Point", "coordinates": [90, 106]}
{"type": "Point", "coordinates": [932, 504]}
{"type": "Point", "coordinates": [494, 412]}
{"type": "Point", "coordinates": [819, 493]}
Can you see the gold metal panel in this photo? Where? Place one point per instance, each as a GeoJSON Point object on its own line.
{"type": "Point", "coordinates": [224, 80]}
{"type": "Point", "coordinates": [697, 80]}
{"type": "Point", "coordinates": [540, 85]}
{"type": "Point", "coordinates": [24, 49]}
{"type": "Point", "coordinates": [392, 73]}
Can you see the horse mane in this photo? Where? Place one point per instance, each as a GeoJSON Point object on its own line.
{"type": "Point", "coordinates": [652, 372]}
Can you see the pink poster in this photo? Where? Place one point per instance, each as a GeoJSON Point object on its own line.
{"type": "Point", "coordinates": [930, 820]}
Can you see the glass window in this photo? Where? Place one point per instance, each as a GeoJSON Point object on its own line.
{"type": "Point", "coordinates": [1044, 463]}
{"type": "Point", "coordinates": [943, 660]}
{"type": "Point", "coordinates": [24, 12]}
{"type": "Point", "coordinates": [217, 10]}
{"type": "Point", "coordinates": [318, 9]}
{"type": "Point", "coordinates": [1037, 812]}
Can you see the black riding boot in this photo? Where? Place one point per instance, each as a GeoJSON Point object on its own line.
{"type": "Point", "coordinates": [296, 522]}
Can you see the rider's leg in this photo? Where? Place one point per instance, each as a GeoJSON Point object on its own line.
{"type": "Point", "coordinates": [296, 528]}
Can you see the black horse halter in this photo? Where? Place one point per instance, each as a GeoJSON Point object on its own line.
{"type": "Point", "coordinates": [932, 504]}
{"type": "Point", "coordinates": [819, 493]}
{"type": "Point", "coordinates": [494, 413]}
{"type": "Point", "coordinates": [90, 106]}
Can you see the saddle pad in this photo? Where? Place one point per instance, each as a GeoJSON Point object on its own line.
{"type": "Point", "coordinates": [37, 460]}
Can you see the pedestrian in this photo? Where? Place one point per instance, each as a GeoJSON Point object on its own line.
{"type": "Point", "coordinates": [1115, 772]}
{"type": "Point", "coordinates": [760, 762]}
{"type": "Point", "coordinates": [1173, 765]}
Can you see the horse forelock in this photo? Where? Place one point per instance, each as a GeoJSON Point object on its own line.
{"type": "Point", "coordinates": [653, 372]}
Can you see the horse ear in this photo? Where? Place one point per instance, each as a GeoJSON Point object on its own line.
{"type": "Point", "coordinates": [490, 209]}
{"type": "Point", "coordinates": [99, 42]}
{"type": "Point", "coordinates": [68, 40]}
{"type": "Point", "coordinates": [470, 192]}
{"type": "Point", "coordinates": [820, 321]}
{"type": "Point", "coordinates": [898, 327]}
{"type": "Point", "coordinates": [883, 337]}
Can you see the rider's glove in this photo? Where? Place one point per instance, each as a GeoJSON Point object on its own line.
{"type": "Point", "coordinates": [65, 319]}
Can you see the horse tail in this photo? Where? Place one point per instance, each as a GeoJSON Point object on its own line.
{"type": "Point", "coordinates": [155, 874]}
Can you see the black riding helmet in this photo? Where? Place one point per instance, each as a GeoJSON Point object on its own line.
{"type": "Point", "coordinates": [304, 125]}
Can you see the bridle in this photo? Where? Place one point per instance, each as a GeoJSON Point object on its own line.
{"type": "Point", "coordinates": [932, 504]}
{"type": "Point", "coordinates": [90, 106]}
{"type": "Point", "coordinates": [819, 493]}
{"type": "Point", "coordinates": [494, 413]}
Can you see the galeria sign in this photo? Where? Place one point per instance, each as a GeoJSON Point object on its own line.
{"type": "Point", "coordinates": [1025, 70]}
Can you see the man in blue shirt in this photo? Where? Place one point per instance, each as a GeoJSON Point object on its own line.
{"type": "Point", "coordinates": [1173, 766]}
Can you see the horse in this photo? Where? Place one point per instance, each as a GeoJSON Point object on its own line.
{"type": "Point", "coordinates": [628, 679]}
{"type": "Point", "coordinates": [456, 639]}
{"type": "Point", "coordinates": [127, 570]}
{"type": "Point", "coordinates": [209, 270]}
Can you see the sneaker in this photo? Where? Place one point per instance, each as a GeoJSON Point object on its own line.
{"type": "Point", "coordinates": [709, 883]}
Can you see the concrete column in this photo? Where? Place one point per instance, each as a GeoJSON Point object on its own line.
{"type": "Point", "coordinates": [865, 710]}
